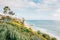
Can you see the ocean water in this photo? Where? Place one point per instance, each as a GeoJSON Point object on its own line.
{"type": "Point", "coordinates": [51, 27]}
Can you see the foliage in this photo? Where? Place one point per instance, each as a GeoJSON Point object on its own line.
{"type": "Point", "coordinates": [11, 29]}
{"type": "Point", "coordinates": [46, 36]}
{"type": "Point", "coordinates": [53, 38]}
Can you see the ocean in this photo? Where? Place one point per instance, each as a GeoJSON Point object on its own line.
{"type": "Point", "coordinates": [51, 27]}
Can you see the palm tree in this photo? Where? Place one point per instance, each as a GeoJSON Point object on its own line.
{"type": "Point", "coordinates": [6, 9]}
{"type": "Point", "coordinates": [11, 13]}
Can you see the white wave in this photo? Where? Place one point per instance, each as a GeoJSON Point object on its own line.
{"type": "Point", "coordinates": [43, 30]}
{"type": "Point", "coordinates": [51, 35]}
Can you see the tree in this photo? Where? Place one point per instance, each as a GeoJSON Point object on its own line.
{"type": "Point", "coordinates": [6, 9]}
{"type": "Point", "coordinates": [11, 13]}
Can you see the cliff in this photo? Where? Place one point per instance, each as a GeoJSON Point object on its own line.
{"type": "Point", "coordinates": [13, 29]}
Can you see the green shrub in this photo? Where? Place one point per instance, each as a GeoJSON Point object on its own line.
{"type": "Point", "coordinates": [53, 38]}
{"type": "Point", "coordinates": [39, 32]}
{"type": "Point", "coordinates": [46, 36]}
{"type": "Point", "coordinates": [12, 31]}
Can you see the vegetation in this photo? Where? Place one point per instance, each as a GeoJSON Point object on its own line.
{"type": "Point", "coordinates": [53, 38]}
{"type": "Point", "coordinates": [12, 29]}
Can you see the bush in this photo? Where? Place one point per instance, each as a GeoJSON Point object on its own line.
{"type": "Point", "coordinates": [16, 31]}
{"type": "Point", "coordinates": [53, 38]}
{"type": "Point", "coordinates": [39, 32]}
{"type": "Point", "coordinates": [46, 36]}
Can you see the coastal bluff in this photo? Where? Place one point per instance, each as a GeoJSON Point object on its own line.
{"type": "Point", "coordinates": [13, 28]}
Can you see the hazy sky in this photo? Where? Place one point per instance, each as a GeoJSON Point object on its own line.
{"type": "Point", "coordinates": [34, 9]}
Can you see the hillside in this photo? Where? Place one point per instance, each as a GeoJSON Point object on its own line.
{"type": "Point", "coordinates": [13, 29]}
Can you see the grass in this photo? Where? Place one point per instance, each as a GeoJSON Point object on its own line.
{"type": "Point", "coordinates": [14, 30]}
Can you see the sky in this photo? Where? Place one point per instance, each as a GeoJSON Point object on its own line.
{"type": "Point", "coordinates": [34, 9]}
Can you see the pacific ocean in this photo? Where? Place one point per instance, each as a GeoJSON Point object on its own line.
{"type": "Point", "coordinates": [51, 27]}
